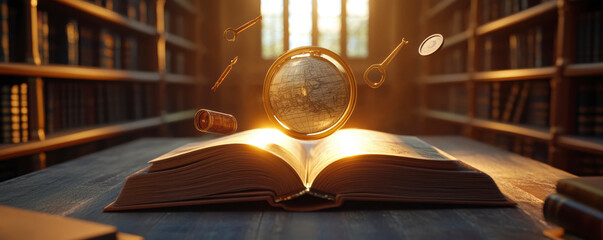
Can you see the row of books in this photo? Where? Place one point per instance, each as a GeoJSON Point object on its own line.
{"type": "Point", "coordinates": [586, 164]}
{"type": "Point", "coordinates": [518, 102]}
{"type": "Point", "coordinates": [526, 48]}
{"type": "Point", "coordinates": [589, 42]}
{"type": "Point", "coordinates": [140, 10]}
{"type": "Point", "coordinates": [75, 103]}
{"type": "Point", "coordinates": [12, 39]}
{"type": "Point", "coordinates": [526, 147]}
{"type": "Point", "coordinates": [66, 41]}
{"type": "Point", "coordinates": [14, 108]}
{"type": "Point", "coordinates": [589, 107]}
{"type": "Point", "coordinates": [178, 97]}
{"type": "Point", "coordinates": [455, 22]}
{"type": "Point", "coordinates": [495, 9]}
{"type": "Point", "coordinates": [175, 61]}
{"type": "Point", "coordinates": [449, 98]}
{"type": "Point", "coordinates": [176, 23]}
{"type": "Point", "coordinates": [577, 207]}
{"type": "Point", "coordinates": [450, 60]}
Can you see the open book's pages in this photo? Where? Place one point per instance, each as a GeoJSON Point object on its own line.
{"type": "Point", "coordinates": [264, 164]}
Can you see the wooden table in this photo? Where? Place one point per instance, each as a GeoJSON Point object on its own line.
{"type": "Point", "coordinates": [81, 188]}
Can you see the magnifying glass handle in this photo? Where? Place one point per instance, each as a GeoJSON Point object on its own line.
{"type": "Point", "coordinates": [368, 81]}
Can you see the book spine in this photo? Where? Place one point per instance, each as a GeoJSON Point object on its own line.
{"type": "Point", "coordinates": [5, 37]}
{"type": "Point", "coordinates": [143, 11]}
{"type": "Point", "coordinates": [511, 100]}
{"type": "Point", "coordinates": [599, 110]}
{"type": "Point", "coordinates": [15, 123]}
{"type": "Point", "coordinates": [5, 107]}
{"type": "Point", "coordinates": [117, 52]}
{"type": "Point", "coordinates": [485, 17]}
{"type": "Point", "coordinates": [496, 95]}
{"type": "Point", "coordinates": [573, 216]}
{"type": "Point", "coordinates": [513, 51]}
{"type": "Point", "coordinates": [521, 103]}
{"type": "Point", "coordinates": [585, 108]}
{"type": "Point", "coordinates": [539, 103]}
{"type": "Point", "coordinates": [107, 48]}
{"type": "Point", "coordinates": [482, 101]}
{"type": "Point", "coordinates": [596, 36]}
{"type": "Point", "coordinates": [538, 54]}
{"type": "Point", "coordinates": [133, 7]}
{"type": "Point", "coordinates": [73, 36]}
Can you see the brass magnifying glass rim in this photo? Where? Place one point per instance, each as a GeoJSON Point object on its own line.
{"type": "Point", "coordinates": [327, 55]}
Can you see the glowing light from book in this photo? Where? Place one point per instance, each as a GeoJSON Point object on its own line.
{"type": "Point", "coordinates": [348, 143]}
{"type": "Point", "coordinates": [268, 136]}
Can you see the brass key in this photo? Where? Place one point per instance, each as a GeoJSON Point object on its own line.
{"type": "Point", "coordinates": [231, 34]}
{"type": "Point", "coordinates": [381, 67]}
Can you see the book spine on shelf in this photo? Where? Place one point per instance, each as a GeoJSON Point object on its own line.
{"type": "Point", "coordinates": [49, 110]}
{"type": "Point", "coordinates": [107, 49]}
{"type": "Point", "coordinates": [596, 36]}
{"type": "Point", "coordinates": [538, 55]}
{"type": "Point", "coordinates": [143, 11]}
{"type": "Point", "coordinates": [4, 38]}
{"type": "Point", "coordinates": [482, 110]}
{"type": "Point", "coordinates": [585, 117]}
{"type": "Point", "coordinates": [14, 111]}
{"type": "Point", "coordinates": [521, 102]}
{"type": "Point", "coordinates": [496, 99]}
{"type": "Point", "coordinates": [73, 36]}
{"type": "Point", "coordinates": [133, 8]}
{"type": "Point", "coordinates": [130, 53]}
{"type": "Point", "coordinates": [43, 34]}
{"type": "Point", "coordinates": [539, 103]}
{"type": "Point", "coordinates": [573, 216]}
{"type": "Point", "coordinates": [24, 112]}
{"type": "Point", "coordinates": [6, 108]}
{"type": "Point", "coordinates": [487, 53]}
{"type": "Point", "coordinates": [513, 51]}
{"type": "Point", "coordinates": [180, 63]}
{"type": "Point", "coordinates": [485, 16]}
{"type": "Point", "coordinates": [511, 101]}
{"type": "Point", "coordinates": [117, 52]}
{"type": "Point", "coordinates": [599, 109]}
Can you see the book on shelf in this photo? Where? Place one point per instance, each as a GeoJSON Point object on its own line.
{"type": "Point", "coordinates": [586, 109]}
{"type": "Point", "coordinates": [25, 224]}
{"type": "Point", "coordinates": [130, 53]}
{"type": "Point", "coordinates": [511, 102]}
{"type": "Point", "coordinates": [482, 101]}
{"type": "Point", "coordinates": [88, 46]}
{"type": "Point", "coordinates": [5, 108]}
{"type": "Point", "coordinates": [495, 9]}
{"type": "Point", "coordinates": [73, 36]}
{"type": "Point", "coordinates": [521, 102]}
{"type": "Point", "coordinates": [4, 30]}
{"type": "Point", "coordinates": [133, 9]}
{"type": "Point", "coordinates": [107, 49]}
{"type": "Point", "coordinates": [577, 206]}
{"type": "Point", "coordinates": [496, 100]}
{"type": "Point", "coordinates": [589, 43]}
{"type": "Point", "coordinates": [266, 165]}
{"type": "Point", "coordinates": [43, 36]}
{"type": "Point", "coordinates": [539, 103]}
{"type": "Point", "coordinates": [599, 109]}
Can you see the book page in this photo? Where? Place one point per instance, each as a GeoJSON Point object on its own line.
{"type": "Point", "coordinates": [271, 140]}
{"type": "Point", "coordinates": [351, 142]}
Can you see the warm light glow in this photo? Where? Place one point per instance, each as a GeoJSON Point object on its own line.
{"type": "Point", "coordinates": [267, 136]}
{"type": "Point", "coordinates": [348, 143]}
{"type": "Point", "coordinates": [300, 23]}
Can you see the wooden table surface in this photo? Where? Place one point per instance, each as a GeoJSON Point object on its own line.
{"type": "Point", "coordinates": [81, 188]}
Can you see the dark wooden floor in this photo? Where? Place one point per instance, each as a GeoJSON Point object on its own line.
{"type": "Point", "coordinates": [81, 189]}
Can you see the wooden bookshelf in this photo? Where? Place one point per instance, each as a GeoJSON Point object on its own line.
{"type": "Point", "coordinates": [553, 83]}
{"type": "Point", "coordinates": [131, 86]}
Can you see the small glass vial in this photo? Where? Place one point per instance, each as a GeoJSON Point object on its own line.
{"type": "Point", "coordinates": [215, 122]}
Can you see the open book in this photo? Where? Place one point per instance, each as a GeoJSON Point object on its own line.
{"type": "Point", "coordinates": [264, 164]}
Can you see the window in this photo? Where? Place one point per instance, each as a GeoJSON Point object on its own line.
{"type": "Point", "coordinates": [338, 25]}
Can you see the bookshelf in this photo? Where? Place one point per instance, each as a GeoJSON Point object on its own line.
{"type": "Point", "coordinates": [530, 74]}
{"type": "Point", "coordinates": [94, 73]}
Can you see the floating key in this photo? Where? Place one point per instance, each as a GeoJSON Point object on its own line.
{"type": "Point", "coordinates": [382, 66]}
{"type": "Point", "coordinates": [231, 34]}
{"type": "Point", "coordinates": [224, 74]}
